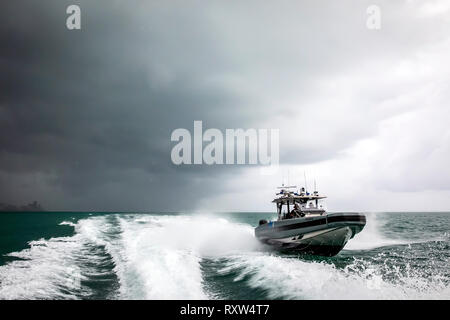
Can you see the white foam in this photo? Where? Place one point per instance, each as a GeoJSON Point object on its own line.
{"type": "Point", "coordinates": [47, 271]}
{"type": "Point", "coordinates": [67, 223]}
{"type": "Point", "coordinates": [371, 237]}
{"type": "Point", "coordinates": [295, 279]}
{"type": "Point", "coordinates": [155, 257]}
{"type": "Point", "coordinates": [54, 268]}
{"type": "Point", "coordinates": [159, 257]}
{"type": "Point", "coordinates": [162, 254]}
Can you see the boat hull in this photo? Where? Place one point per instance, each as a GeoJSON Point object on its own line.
{"type": "Point", "coordinates": [321, 235]}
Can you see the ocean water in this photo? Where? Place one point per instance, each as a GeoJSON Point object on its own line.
{"type": "Point", "coordinates": [215, 256]}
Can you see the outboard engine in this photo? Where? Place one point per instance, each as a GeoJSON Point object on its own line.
{"type": "Point", "coordinates": [263, 221]}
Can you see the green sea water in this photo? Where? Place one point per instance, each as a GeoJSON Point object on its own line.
{"type": "Point", "coordinates": [71, 255]}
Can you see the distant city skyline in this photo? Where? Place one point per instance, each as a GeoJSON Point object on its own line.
{"type": "Point", "coordinates": [32, 206]}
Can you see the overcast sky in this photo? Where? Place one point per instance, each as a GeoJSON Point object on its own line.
{"type": "Point", "coordinates": [86, 115]}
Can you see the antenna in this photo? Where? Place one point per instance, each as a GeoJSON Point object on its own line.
{"type": "Point", "coordinates": [306, 186]}
{"type": "Point", "coordinates": [315, 187]}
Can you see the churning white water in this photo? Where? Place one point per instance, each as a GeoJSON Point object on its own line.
{"type": "Point", "coordinates": [166, 257]}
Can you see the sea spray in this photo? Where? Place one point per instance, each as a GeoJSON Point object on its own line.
{"type": "Point", "coordinates": [371, 237]}
{"type": "Point", "coordinates": [185, 256]}
{"type": "Point", "coordinates": [291, 278]}
{"type": "Point", "coordinates": [165, 252]}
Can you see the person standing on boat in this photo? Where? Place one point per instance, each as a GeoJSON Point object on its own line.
{"type": "Point", "coordinates": [295, 212]}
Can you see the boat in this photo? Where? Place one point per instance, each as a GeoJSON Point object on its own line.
{"type": "Point", "coordinates": [308, 227]}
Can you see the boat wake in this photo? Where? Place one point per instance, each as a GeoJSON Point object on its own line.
{"type": "Point", "coordinates": [140, 256]}
{"type": "Point", "coordinates": [54, 269]}
{"type": "Point", "coordinates": [164, 253]}
{"type": "Point", "coordinates": [291, 278]}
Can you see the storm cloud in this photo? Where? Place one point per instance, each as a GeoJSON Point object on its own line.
{"type": "Point", "coordinates": [86, 115]}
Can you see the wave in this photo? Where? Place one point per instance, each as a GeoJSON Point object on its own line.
{"type": "Point", "coordinates": [164, 253]}
{"type": "Point", "coordinates": [56, 268]}
{"type": "Point", "coordinates": [371, 236]}
{"type": "Point", "coordinates": [163, 257]}
{"type": "Point", "coordinates": [49, 269]}
{"type": "Point", "coordinates": [159, 257]}
{"type": "Point", "coordinates": [67, 223]}
{"type": "Point", "coordinates": [291, 278]}
{"type": "Point", "coordinates": [155, 257]}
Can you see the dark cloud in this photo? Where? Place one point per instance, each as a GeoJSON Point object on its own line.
{"type": "Point", "coordinates": [86, 116]}
{"type": "Point", "coordinates": [92, 110]}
